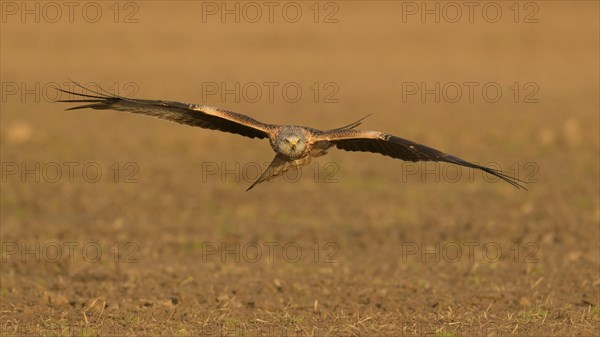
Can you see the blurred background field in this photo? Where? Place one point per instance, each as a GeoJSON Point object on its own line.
{"type": "Point", "coordinates": [355, 216]}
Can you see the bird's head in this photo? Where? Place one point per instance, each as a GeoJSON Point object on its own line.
{"type": "Point", "coordinates": [291, 144]}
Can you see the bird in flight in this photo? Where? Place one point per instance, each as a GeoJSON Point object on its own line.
{"type": "Point", "coordinates": [294, 145]}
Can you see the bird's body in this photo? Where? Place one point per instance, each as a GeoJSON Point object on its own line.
{"type": "Point", "coordinates": [294, 145]}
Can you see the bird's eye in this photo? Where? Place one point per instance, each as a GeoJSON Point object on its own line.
{"type": "Point", "coordinates": [287, 141]}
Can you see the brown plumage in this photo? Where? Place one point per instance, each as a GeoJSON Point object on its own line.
{"type": "Point", "coordinates": [293, 145]}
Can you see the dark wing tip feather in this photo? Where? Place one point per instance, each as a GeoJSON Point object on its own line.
{"type": "Point", "coordinates": [77, 94]}
{"type": "Point", "coordinates": [516, 182]}
{"type": "Point", "coordinates": [91, 106]}
{"type": "Point", "coordinates": [101, 101]}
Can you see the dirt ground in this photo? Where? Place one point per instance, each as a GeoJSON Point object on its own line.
{"type": "Point", "coordinates": [115, 224]}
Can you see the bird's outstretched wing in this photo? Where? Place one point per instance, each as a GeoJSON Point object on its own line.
{"type": "Point", "coordinates": [400, 148]}
{"type": "Point", "coordinates": [183, 113]}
